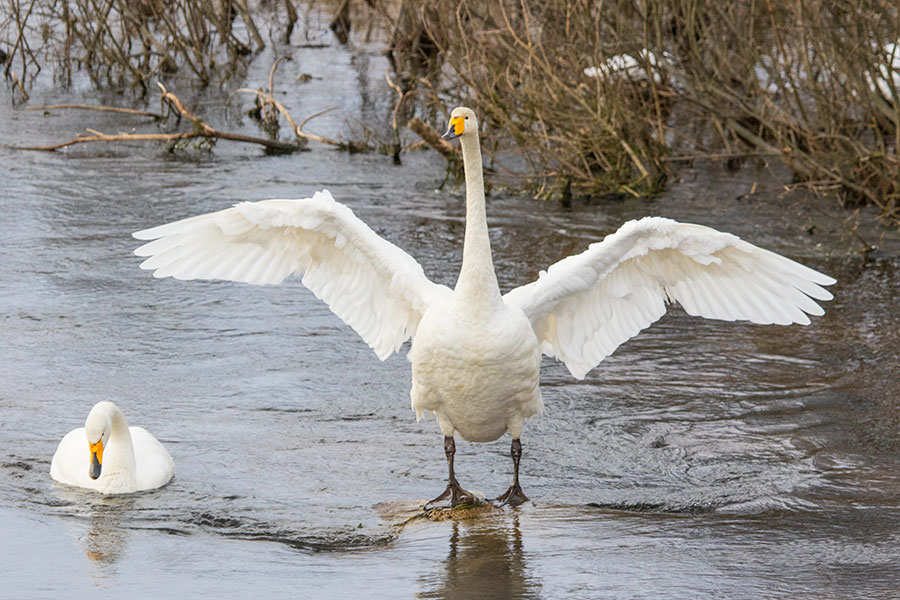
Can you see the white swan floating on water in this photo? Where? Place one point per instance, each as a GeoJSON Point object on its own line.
{"type": "Point", "coordinates": [109, 456]}
{"type": "Point", "coordinates": [476, 353]}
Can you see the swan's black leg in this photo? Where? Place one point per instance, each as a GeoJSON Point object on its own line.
{"type": "Point", "coordinates": [454, 491]}
{"type": "Point", "coordinates": [514, 495]}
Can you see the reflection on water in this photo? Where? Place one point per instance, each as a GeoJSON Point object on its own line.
{"type": "Point", "coordinates": [102, 525]}
{"type": "Point", "coordinates": [105, 539]}
{"type": "Point", "coordinates": [485, 560]}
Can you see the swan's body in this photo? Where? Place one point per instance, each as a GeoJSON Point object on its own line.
{"type": "Point", "coordinates": [626, 65]}
{"type": "Point", "coordinates": [476, 354]}
{"type": "Point", "coordinates": [110, 457]}
{"type": "Point", "coordinates": [887, 78]}
{"type": "Point", "coordinates": [482, 403]}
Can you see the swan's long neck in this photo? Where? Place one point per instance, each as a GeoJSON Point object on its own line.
{"type": "Point", "coordinates": [118, 457]}
{"type": "Point", "coordinates": [477, 283]}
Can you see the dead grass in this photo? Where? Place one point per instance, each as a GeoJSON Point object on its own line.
{"type": "Point", "coordinates": [790, 80]}
{"type": "Point", "coordinates": [812, 84]}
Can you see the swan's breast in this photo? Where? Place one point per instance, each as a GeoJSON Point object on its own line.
{"type": "Point", "coordinates": [478, 375]}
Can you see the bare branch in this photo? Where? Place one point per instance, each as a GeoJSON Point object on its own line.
{"type": "Point", "coordinates": [268, 98]}
{"type": "Point", "coordinates": [433, 138]}
{"type": "Point", "coordinates": [200, 130]}
{"type": "Point", "coordinates": [318, 114]}
{"type": "Point", "coordinates": [128, 111]}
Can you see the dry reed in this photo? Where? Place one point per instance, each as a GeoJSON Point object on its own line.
{"type": "Point", "coordinates": [811, 83]}
{"type": "Point", "coordinates": [592, 97]}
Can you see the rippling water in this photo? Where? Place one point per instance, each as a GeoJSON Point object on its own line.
{"type": "Point", "coordinates": [703, 459]}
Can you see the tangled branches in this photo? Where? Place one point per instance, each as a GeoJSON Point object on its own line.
{"type": "Point", "coordinates": [614, 96]}
{"type": "Point", "coordinates": [589, 97]}
{"type": "Point", "coordinates": [200, 130]}
{"type": "Point", "coordinates": [127, 44]}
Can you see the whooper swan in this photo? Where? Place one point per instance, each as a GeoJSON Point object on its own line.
{"type": "Point", "coordinates": [109, 456]}
{"type": "Point", "coordinates": [476, 354]}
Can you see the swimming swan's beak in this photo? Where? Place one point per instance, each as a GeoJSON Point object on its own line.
{"type": "Point", "coordinates": [456, 128]}
{"type": "Point", "coordinates": [96, 458]}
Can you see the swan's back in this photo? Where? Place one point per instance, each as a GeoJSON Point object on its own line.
{"type": "Point", "coordinates": [154, 466]}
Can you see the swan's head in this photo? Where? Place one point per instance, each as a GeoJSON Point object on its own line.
{"type": "Point", "coordinates": [462, 123]}
{"type": "Point", "coordinates": [97, 428]}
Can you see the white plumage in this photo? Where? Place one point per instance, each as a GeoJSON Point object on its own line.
{"type": "Point", "coordinates": [585, 306]}
{"type": "Point", "coordinates": [626, 65]}
{"type": "Point", "coordinates": [476, 355]}
{"type": "Point", "coordinates": [372, 285]}
{"type": "Point", "coordinates": [887, 79]}
{"type": "Point", "coordinates": [130, 458]}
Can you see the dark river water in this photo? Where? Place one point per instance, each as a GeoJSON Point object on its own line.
{"type": "Point", "coordinates": [702, 460]}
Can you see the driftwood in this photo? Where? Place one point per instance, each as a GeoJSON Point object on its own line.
{"type": "Point", "coordinates": [433, 138]}
{"type": "Point", "coordinates": [200, 130]}
{"type": "Point", "coordinates": [269, 109]}
{"type": "Point", "coordinates": [298, 129]}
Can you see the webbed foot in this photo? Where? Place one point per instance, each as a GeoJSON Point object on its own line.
{"type": "Point", "coordinates": [511, 497]}
{"type": "Point", "coordinates": [457, 495]}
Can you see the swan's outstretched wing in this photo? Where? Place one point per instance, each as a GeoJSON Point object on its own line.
{"type": "Point", "coordinates": [374, 286]}
{"type": "Point", "coordinates": [583, 307]}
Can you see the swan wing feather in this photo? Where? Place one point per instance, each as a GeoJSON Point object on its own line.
{"type": "Point", "coordinates": [585, 306]}
{"type": "Point", "coordinates": [374, 286]}
{"type": "Point", "coordinates": [154, 466]}
{"type": "Point", "coordinates": [72, 459]}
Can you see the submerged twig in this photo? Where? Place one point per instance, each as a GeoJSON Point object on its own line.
{"type": "Point", "coordinates": [100, 108]}
{"type": "Point", "coordinates": [97, 136]}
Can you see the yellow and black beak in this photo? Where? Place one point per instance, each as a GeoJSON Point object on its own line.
{"type": "Point", "coordinates": [456, 128]}
{"type": "Point", "coordinates": [96, 458]}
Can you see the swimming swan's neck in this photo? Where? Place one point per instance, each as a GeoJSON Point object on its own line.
{"type": "Point", "coordinates": [477, 283]}
{"type": "Point", "coordinates": [119, 455]}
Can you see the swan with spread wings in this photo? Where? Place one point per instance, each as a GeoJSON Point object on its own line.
{"type": "Point", "coordinates": [475, 353]}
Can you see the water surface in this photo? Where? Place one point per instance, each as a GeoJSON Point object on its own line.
{"type": "Point", "coordinates": [703, 459]}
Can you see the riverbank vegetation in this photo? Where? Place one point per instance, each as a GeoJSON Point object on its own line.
{"type": "Point", "coordinates": [591, 98]}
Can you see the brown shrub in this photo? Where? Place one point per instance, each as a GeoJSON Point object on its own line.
{"type": "Point", "coordinates": [812, 83]}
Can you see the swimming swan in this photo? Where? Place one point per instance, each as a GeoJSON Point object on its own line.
{"type": "Point", "coordinates": [109, 456]}
{"type": "Point", "coordinates": [476, 353]}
